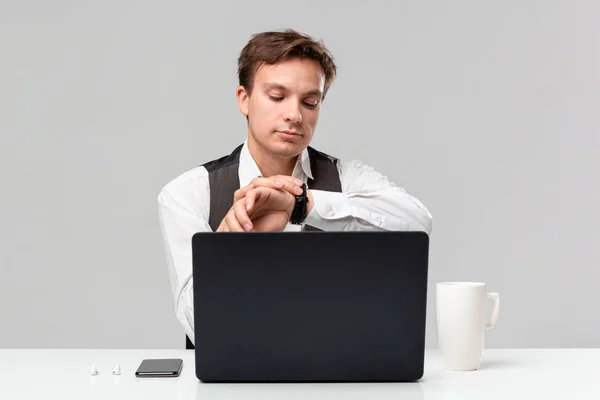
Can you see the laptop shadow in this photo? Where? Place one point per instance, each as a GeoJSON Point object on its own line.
{"type": "Point", "coordinates": [292, 391]}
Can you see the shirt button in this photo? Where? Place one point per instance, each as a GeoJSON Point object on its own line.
{"type": "Point", "coordinates": [331, 212]}
{"type": "Point", "coordinates": [379, 221]}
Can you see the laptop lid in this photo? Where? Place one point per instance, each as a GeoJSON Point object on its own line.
{"type": "Point", "coordinates": [310, 306]}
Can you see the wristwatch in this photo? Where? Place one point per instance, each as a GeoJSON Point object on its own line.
{"type": "Point", "coordinates": [299, 212]}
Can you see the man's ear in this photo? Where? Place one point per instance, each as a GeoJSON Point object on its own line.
{"type": "Point", "coordinates": [242, 99]}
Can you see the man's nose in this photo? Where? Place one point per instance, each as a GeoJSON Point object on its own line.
{"type": "Point", "coordinates": [293, 115]}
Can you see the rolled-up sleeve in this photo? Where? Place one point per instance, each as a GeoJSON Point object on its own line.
{"type": "Point", "coordinates": [368, 201]}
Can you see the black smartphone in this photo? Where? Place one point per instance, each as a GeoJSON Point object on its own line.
{"type": "Point", "coordinates": [161, 367]}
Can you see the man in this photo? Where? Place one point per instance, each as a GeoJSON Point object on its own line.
{"type": "Point", "coordinates": [275, 177]}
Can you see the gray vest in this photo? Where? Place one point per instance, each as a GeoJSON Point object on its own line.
{"type": "Point", "coordinates": [224, 180]}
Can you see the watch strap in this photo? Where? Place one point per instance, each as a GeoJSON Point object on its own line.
{"type": "Point", "coordinates": [299, 213]}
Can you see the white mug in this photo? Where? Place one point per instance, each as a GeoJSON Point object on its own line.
{"type": "Point", "coordinates": [461, 316]}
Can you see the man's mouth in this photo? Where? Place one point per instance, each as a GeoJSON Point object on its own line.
{"type": "Point", "coordinates": [288, 134]}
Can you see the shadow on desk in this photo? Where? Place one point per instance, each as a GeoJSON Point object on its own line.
{"type": "Point", "coordinates": [317, 391]}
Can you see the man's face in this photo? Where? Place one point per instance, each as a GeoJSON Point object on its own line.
{"type": "Point", "coordinates": [284, 107]}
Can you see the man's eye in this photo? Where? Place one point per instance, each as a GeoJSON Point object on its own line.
{"type": "Point", "coordinates": [276, 98]}
{"type": "Point", "coordinates": [311, 105]}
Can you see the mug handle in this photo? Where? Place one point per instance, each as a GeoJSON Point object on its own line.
{"type": "Point", "coordinates": [496, 307]}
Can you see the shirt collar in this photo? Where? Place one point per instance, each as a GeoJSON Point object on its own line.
{"type": "Point", "coordinates": [248, 169]}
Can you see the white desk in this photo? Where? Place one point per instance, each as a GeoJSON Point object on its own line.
{"type": "Point", "coordinates": [505, 374]}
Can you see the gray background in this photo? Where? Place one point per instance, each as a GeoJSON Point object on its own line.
{"type": "Point", "coordinates": [486, 111]}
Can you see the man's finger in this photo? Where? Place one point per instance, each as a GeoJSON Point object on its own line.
{"type": "Point", "coordinates": [250, 200]}
{"type": "Point", "coordinates": [232, 222]}
{"type": "Point", "coordinates": [241, 193]}
{"type": "Point", "coordinates": [241, 215]}
{"type": "Point", "coordinates": [254, 196]}
{"type": "Point", "coordinates": [291, 179]}
{"type": "Point", "coordinates": [287, 183]}
{"type": "Point", "coordinates": [290, 184]}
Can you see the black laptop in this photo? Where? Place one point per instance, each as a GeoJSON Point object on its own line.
{"type": "Point", "coordinates": [310, 306]}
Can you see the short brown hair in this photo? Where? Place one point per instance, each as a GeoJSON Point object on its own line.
{"type": "Point", "coordinates": [272, 47]}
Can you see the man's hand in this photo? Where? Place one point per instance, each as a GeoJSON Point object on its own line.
{"type": "Point", "coordinates": [272, 213]}
{"type": "Point", "coordinates": [263, 210]}
{"type": "Point", "coordinates": [238, 220]}
{"type": "Point", "coordinates": [288, 183]}
{"type": "Point", "coordinates": [269, 209]}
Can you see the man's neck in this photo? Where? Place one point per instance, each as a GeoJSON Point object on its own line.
{"type": "Point", "coordinates": [270, 164]}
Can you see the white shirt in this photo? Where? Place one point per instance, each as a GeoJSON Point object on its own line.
{"type": "Point", "coordinates": [368, 201]}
